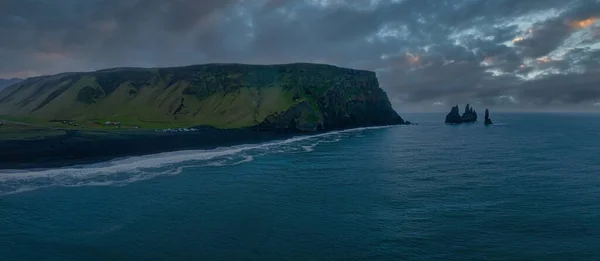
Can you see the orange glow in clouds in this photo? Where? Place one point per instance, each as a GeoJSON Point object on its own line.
{"type": "Point", "coordinates": [414, 59]}
{"type": "Point", "coordinates": [580, 24]}
{"type": "Point", "coordinates": [487, 61]}
{"type": "Point", "coordinates": [518, 39]}
{"type": "Point", "coordinates": [544, 59]}
{"type": "Point", "coordinates": [526, 35]}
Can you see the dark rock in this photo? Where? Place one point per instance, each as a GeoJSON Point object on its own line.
{"type": "Point", "coordinates": [301, 117]}
{"type": "Point", "coordinates": [469, 115]}
{"type": "Point", "coordinates": [488, 121]}
{"type": "Point", "coordinates": [352, 101]}
{"type": "Point", "coordinates": [454, 116]}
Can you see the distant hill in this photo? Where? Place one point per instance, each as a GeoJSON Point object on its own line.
{"type": "Point", "coordinates": [305, 97]}
{"type": "Point", "coordinates": [7, 82]}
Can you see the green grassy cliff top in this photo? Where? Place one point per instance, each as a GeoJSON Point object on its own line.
{"type": "Point", "coordinates": [220, 95]}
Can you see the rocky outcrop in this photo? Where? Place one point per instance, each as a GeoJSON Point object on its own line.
{"type": "Point", "coordinates": [352, 98]}
{"type": "Point", "coordinates": [301, 117]}
{"type": "Point", "coordinates": [454, 117]}
{"type": "Point", "coordinates": [488, 121]}
{"type": "Point", "coordinates": [469, 115]}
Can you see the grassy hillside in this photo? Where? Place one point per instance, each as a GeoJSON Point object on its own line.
{"type": "Point", "coordinates": [8, 82]}
{"type": "Point", "coordinates": [220, 95]}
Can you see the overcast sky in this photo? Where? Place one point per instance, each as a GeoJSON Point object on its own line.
{"type": "Point", "coordinates": [428, 54]}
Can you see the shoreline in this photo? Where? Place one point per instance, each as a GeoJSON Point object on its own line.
{"type": "Point", "coordinates": [88, 147]}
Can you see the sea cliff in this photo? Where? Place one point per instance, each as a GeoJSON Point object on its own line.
{"type": "Point", "coordinates": [123, 111]}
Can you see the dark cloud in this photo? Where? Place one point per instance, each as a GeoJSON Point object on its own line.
{"type": "Point", "coordinates": [565, 88]}
{"type": "Point", "coordinates": [546, 37]}
{"type": "Point", "coordinates": [504, 53]}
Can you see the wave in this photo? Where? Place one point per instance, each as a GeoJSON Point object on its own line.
{"type": "Point", "coordinates": [309, 148]}
{"type": "Point", "coordinates": [124, 171]}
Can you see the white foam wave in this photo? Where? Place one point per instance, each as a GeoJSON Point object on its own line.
{"type": "Point", "coordinates": [309, 148]}
{"type": "Point", "coordinates": [217, 163]}
{"type": "Point", "coordinates": [23, 189]}
{"type": "Point", "coordinates": [330, 141]}
{"type": "Point", "coordinates": [124, 171]}
{"type": "Point", "coordinates": [247, 158]}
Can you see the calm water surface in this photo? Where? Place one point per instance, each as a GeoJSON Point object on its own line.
{"type": "Point", "coordinates": [527, 188]}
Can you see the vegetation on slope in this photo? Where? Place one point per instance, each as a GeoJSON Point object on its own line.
{"type": "Point", "coordinates": [294, 96]}
{"type": "Point", "coordinates": [8, 82]}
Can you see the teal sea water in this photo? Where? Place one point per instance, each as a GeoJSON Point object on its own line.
{"type": "Point", "coordinates": [526, 188]}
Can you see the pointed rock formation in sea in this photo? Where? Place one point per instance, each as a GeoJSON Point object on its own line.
{"type": "Point", "coordinates": [488, 121]}
{"type": "Point", "coordinates": [469, 115]}
{"type": "Point", "coordinates": [454, 116]}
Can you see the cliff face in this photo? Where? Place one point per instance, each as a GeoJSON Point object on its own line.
{"type": "Point", "coordinates": [297, 97]}
{"type": "Point", "coordinates": [349, 99]}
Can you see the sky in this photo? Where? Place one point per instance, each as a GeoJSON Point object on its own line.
{"type": "Point", "coordinates": [428, 54]}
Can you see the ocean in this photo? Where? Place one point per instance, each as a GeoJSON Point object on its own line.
{"type": "Point", "coordinates": [525, 188]}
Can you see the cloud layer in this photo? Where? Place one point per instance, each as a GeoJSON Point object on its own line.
{"type": "Point", "coordinates": [428, 54]}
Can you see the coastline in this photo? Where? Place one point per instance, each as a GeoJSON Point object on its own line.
{"type": "Point", "coordinates": [87, 147]}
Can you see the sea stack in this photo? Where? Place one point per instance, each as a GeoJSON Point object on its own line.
{"type": "Point", "coordinates": [469, 115]}
{"type": "Point", "coordinates": [488, 121]}
{"type": "Point", "coordinates": [454, 117]}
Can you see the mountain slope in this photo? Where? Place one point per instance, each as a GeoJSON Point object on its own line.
{"type": "Point", "coordinates": [7, 82]}
{"type": "Point", "coordinates": [304, 97]}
